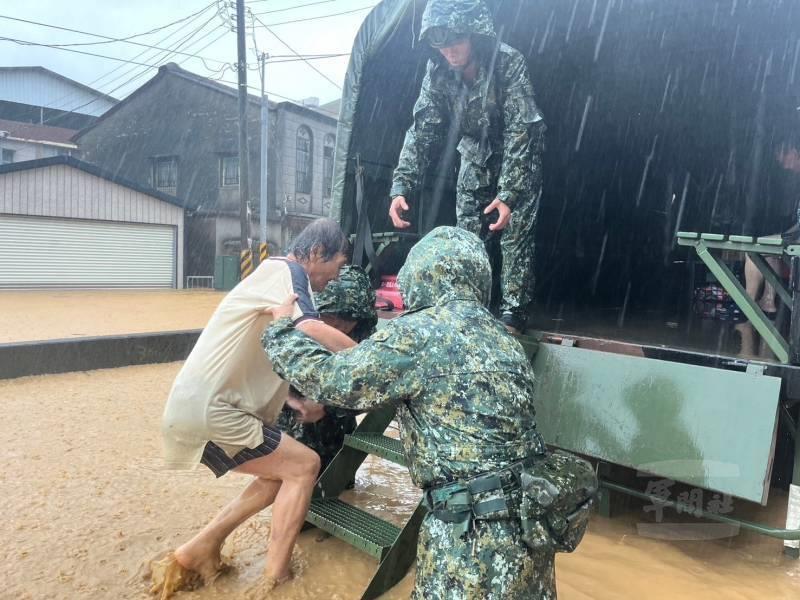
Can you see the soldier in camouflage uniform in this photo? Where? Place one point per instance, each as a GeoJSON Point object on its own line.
{"type": "Point", "coordinates": [463, 389]}
{"type": "Point", "coordinates": [477, 94]}
{"type": "Point", "coordinates": [347, 303]}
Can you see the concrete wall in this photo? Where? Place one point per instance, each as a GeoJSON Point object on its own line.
{"type": "Point", "coordinates": [28, 151]}
{"type": "Point", "coordinates": [313, 204]}
{"type": "Point", "coordinates": [67, 192]}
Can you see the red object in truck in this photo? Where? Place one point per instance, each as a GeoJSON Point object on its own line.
{"type": "Point", "coordinates": [388, 294]}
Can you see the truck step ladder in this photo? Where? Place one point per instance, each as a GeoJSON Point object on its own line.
{"type": "Point", "coordinates": [393, 547]}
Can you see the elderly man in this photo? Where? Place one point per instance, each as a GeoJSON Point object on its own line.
{"type": "Point", "coordinates": [348, 304]}
{"type": "Point", "coordinates": [477, 95]}
{"type": "Point", "coordinates": [463, 389]}
{"type": "Point", "coordinates": [223, 405]}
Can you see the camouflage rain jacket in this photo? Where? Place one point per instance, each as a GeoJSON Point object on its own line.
{"type": "Point", "coordinates": [463, 388]}
{"type": "Point", "coordinates": [351, 297]}
{"type": "Point", "coordinates": [494, 120]}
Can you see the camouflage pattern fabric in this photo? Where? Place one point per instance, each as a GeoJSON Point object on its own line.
{"type": "Point", "coordinates": [350, 297]}
{"type": "Point", "coordinates": [500, 135]}
{"type": "Point", "coordinates": [463, 389]}
{"type": "Point", "coordinates": [458, 16]}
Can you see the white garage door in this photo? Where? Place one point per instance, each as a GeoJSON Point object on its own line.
{"type": "Point", "coordinates": [40, 252]}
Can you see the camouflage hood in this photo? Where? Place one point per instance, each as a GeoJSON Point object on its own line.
{"type": "Point", "coordinates": [447, 264]}
{"type": "Point", "coordinates": [458, 16]}
{"type": "Point", "coordinates": [351, 297]}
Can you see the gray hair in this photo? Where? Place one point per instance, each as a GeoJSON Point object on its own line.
{"type": "Point", "coordinates": [323, 235]}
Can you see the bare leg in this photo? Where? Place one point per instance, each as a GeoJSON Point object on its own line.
{"type": "Point", "coordinates": [285, 477]}
{"type": "Point", "coordinates": [752, 279]}
{"type": "Point", "coordinates": [299, 467]}
{"type": "Point", "coordinates": [202, 553]}
{"type": "Point", "coordinates": [767, 302]}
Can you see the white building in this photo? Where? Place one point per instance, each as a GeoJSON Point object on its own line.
{"type": "Point", "coordinates": [38, 95]}
{"type": "Point", "coordinates": [67, 224]}
{"type": "Point", "coordinates": [24, 141]}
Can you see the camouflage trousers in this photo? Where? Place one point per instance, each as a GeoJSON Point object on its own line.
{"type": "Point", "coordinates": [325, 437]}
{"type": "Point", "coordinates": [489, 563]}
{"type": "Point", "coordinates": [511, 251]}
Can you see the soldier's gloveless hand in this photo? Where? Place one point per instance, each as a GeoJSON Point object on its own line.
{"type": "Point", "coordinates": [503, 214]}
{"type": "Point", "coordinates": [396, 210]}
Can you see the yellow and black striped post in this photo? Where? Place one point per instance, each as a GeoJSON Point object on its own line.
{"type": "Point", "coordinates": [245, 263]}
{"type": "Point", "coordinates": [263, 252]}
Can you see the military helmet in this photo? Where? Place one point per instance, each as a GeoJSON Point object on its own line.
{"type": "Point", "coordinates": [350, 296]}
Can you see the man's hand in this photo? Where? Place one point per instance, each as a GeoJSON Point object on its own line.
{"type": "Point", "coordinates": [283, 310]}
{"type": "Point", "coordinates": [311, 412]}
{"type": "Point", "coordinates": [503, 214]}
{"type": "Point", "coordinates": [396, 210]}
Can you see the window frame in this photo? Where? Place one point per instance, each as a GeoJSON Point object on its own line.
{"type": "Point", "coordinates": [304, 179]}
{"type": "Point", "coordinates": [162, 160]}
{"type": "Point", "coordinates": [222, 170]}
{"type": "Point", "coordinates": [329, 143]}
{"type": "Point", "coordinates": [3, 154]}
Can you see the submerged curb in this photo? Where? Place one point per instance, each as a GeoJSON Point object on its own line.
{"type": "Point", "coordinates": [45, 357]}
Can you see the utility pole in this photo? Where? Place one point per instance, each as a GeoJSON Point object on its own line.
{"type": "Point", "coordinates": [264, 148]}
{"type": "Point", "coordinates": [244, 155]}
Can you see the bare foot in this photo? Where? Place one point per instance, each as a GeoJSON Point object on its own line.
{"type": "Point", "coordinates": [265, 589]}
{"type": "Point", "coordinates": [203, 560]}
{"type": "Point", "coordinates": [169, 576]}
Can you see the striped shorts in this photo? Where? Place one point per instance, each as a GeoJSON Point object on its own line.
{"type": "Point", "coordinates": [220, 463]}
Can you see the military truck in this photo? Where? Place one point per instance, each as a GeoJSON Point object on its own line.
{"type": "Point", "coordinates": [663, 119]}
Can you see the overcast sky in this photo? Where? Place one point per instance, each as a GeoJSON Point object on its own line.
{"type": "Point", "coordinates": [321, 31]}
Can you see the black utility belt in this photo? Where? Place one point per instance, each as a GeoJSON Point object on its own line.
{"type": "Point", "coordinates": [491, 496]}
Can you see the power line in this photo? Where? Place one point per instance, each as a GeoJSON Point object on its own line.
{"type": "Point", "coordinates": [277, 10]}
{"type": "Point", "coordinates": [293, 100]}
{"type": "Point", "coordinates": [319, 17]}
{"type": "Point", "coordinates": [110, 40]}
{"type": "Point", "coordinates": [293, 51]}
{"type": "Point", "coordinates": [29, 43]}
{"type": "Point", "coordinates": [188, 21]}
{"type": "Point", "coordinates": [153, 56]}
{"type": "Point", "coordinates": [186, 39]}
{"type": "Point", "coordinates": [166, 55]}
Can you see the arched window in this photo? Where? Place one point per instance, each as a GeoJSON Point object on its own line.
{"type": "Point", "coordinates": [327, 165]}
{"type": "Point", "coordinates": [305, 161]}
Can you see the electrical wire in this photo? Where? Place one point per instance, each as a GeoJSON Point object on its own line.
{"type": "Point", "coordinates": [293, 51]}
{"type": "Point", "coordinates": [182, 42]}
{"type": "Point", "coordinates": [110, 40]}
{"type": "Point", "coordinates": [189, 20]}
{"type": "Point", "coordinates": [319, 17]}
{"type": "Point", "coordinates": [277, 10]}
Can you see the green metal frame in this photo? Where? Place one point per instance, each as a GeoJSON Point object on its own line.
{"type": "Point", "coordinates": [774, 532]}
{"type": "Point", "coordinates": [395, 548]}
{"type": "Point", "coordinates": [703, 243]}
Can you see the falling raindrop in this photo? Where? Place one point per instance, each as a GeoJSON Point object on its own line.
{"type": "Point", "coordinates": [547, 31]}
{"type": "Point", "coordinates": [571, 21]}
{"type": "Point", "coordinates": [679, 219]}
{"type": "Point", "coordinates": [645, 171]}
{"type": "Point", "coordinates": [602, 30]}
{"type": "Point", "coordinates": [599, 264]}
{"type": "Point", "coordinates": [583, 122]}
{"type": "Point", "coordinates": [664, 96]}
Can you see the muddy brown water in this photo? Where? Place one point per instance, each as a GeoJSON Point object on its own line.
{"type": "Point", "coordinates": [56, 314]}
{"type": "Point", "coordinates": [85, 504]}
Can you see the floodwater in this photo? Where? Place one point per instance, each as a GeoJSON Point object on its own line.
{"type": "Point", "coordinates": [85, 506]}
{"type": "Point", "coordinates": [52, 314]}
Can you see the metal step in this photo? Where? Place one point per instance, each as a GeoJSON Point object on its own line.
{"type": "Point", "coordinates": [377, 444]}
{"type": "Point", "coordinates": [353, 525]}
